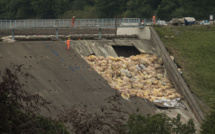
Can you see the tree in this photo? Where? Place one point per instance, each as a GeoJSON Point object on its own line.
{"type": "Point", "coordinates": [16, 9]}
{"type": "Point", "coordinates": [110, 8]}
{"type": "Point", "coordinates": [24, 10]}
{"type": "Point", "coordinates": [166, 8]}
{"type": "Point", "coordinates": [3, 8]}
{"type": "Point", "coordinates": [207, 126]}
{"type": "Point", "coordinates": [139, 8]}
{"type": "Point", "coordinates": [59, 7]}
{"type": "Point", "coordinates": [157, 124]}
{"type": "Point", "coordinates": [43, 9]}
{"type": "Point", "coordinates": [154, 3]}
{"type": "Point", "coordinates": [80, 4]}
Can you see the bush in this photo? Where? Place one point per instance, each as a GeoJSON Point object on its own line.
{"type": "Point", "coordinates": [157, 124]}
{"type": "Point", "coordinates": [208, 125]}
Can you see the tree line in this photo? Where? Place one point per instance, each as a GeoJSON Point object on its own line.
{"type": "Point", "coordinates": [50, 9]}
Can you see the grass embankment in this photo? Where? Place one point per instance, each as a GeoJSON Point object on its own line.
{"type": "Point", "coordinates": [194, 50]}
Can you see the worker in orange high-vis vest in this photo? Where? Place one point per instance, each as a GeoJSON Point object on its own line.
{"type": "Point", "coordinates": [73, 21]}
{"type": "Point", "coordinates": [67, 42]}
{"type": "Point", "coordinates": [154, 19]}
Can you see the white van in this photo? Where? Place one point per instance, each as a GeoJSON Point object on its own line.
{"type": "Point", "coordinates": [205, 22]}
{"type": "Point", "coordinates": [161, 22]}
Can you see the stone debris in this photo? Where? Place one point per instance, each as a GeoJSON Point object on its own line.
{"type": "Point", "coordinates": [141, 75]}
{"type": "Point", "coordinates": [8, 39]}
{"type": "Point", "coordinates": [169, 103]}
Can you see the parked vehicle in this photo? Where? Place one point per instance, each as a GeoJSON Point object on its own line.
{"type": "Point", "coordinates": [205, 22]}
{"type": "Point", "coordinates": [184, 20]}
{"type": "Point", "coordinates": [161, 22]}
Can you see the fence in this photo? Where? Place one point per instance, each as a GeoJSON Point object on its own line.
{"type": "Point", "coordinates": [66, 23]}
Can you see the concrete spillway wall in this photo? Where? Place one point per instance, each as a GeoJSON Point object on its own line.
{"type": "Point", "coordinates": [105, 48]}
{"type": "Point", "coordinates": [149, 33]}
{"type": "Point", "coordinates": [175, 76]}
{"type": "Point", "coordinates": [141, 33]}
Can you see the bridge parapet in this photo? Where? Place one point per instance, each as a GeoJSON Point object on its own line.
{"type": "Point", "coordinates": [66, 23]}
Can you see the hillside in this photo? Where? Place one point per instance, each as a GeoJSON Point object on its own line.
{"type": "Point", "coordinates": [49, 9]}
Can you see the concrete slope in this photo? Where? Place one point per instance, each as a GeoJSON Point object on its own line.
{"type": "Point", "coordinates": [89, 47]}
{"type": "Point", "coordinates": [104, 47]}
{"type": "Point", "coordinates": [64, 77]}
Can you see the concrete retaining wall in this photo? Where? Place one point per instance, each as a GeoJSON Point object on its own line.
{"type": "Point", "coordinates": [127, 31]}
{"type": "Point", "coordinates": [104, 47]}
{"type": "Point", "coordinates": [142, 33]}
{"type": "Point", "coordinates": [174, 75]}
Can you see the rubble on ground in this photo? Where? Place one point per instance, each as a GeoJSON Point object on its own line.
{"type": "Point", "coordinates": [141, 75]}
{"type": "Point", "coordinates": [8, 39]}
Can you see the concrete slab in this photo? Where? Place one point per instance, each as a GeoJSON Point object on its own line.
{"type": "Point", "coordinates": [144, 46]}
{"type": "Point", "coordinates": [142, 33]}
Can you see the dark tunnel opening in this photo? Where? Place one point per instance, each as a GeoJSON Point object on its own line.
{"type": "Point", "coordinates": [126, 51]}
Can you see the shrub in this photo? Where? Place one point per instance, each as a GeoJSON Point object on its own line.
{"type": "Point", "coordinates": [157, 124]}
{"type": "Point", "coordinates": [208, 125]}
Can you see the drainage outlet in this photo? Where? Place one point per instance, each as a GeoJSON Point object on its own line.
{"type": "Point", "coordinates": [126, 51]}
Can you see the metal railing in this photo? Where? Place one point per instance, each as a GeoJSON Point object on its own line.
{"type": "Point", "coordinates": [66, 23]}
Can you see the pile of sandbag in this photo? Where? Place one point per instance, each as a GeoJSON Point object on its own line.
{"type": "Point", "coordinates": [141, 75]}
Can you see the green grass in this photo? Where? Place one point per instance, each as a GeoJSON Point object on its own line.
{"type": "Point", "coordinates": [194, 50]}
